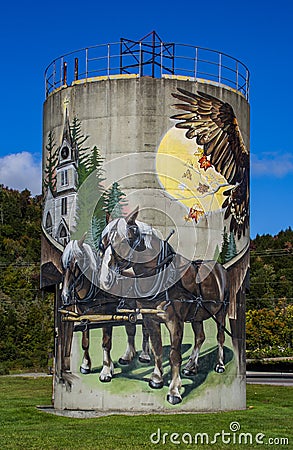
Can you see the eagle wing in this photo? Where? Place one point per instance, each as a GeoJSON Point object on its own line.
{"type": "Point", "coordinates": [214, 126]}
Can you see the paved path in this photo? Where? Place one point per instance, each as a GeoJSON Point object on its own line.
{"type": "Point", "coordinates": [273, 378]}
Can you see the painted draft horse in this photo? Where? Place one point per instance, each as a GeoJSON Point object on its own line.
{"type": "Point", "coordinates": [184, 290]}
{"type": "Point", "coordinates": [81, 294]}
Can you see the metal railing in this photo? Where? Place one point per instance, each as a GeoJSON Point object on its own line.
{"type": "Point", "coordinates": [153, 58]}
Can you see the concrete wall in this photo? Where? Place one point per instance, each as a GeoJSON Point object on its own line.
{"type": "Point", "coordinates": [129, 120]}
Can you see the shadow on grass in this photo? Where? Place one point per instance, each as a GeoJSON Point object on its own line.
{"type": "Point", "coordinates": [142, 372]}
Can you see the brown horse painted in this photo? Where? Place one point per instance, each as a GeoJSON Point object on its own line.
{"type": "Point", "coordinates": [81, 294]}
{"type": "Point", "coordinates": [185, 291]}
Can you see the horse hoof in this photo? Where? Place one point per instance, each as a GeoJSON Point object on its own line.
{"type": "Point", "coordinates": [106, 379]}
{"type": "Point", "coordinates": [156, 384]}
{"type": "Point", "coordinates": [84, 371]}
{"type": "Point", "coordinates": [189, 373]}
{"type": "Point", "coordinates": [219, 368]}
{"type": "Point", "coordinates": [144, 360]}
{"type": "Point", "coordinates": [174, 399]}
{"type": "Point", "coordinates": [124, 362]}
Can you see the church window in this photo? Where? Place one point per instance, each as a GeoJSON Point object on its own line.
{"type": "Point", "coordinates": [65, 152]}
{"type": "Point", "coordinates": [49, 224]}
{"type": "Point", "coordinates": [64, 178]}
{"type": "Point", "coordinates": [64, 206]}
{"type": "Point", "coordinates": [63, 236]}
{"type": "Point", "coordinates": [63, 232]}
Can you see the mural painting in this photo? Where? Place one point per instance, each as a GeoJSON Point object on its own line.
{"type": "Point", "coordinates": [178, 292]}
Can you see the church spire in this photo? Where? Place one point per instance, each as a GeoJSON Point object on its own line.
{"type": "Point", "coordinates": [66, 130]}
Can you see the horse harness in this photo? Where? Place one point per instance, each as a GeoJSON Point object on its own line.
{"type": "Point", "coordinates": [165, 257]}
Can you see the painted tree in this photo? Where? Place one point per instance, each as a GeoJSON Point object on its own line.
{"type": "Point", "coordinates": [93, 202]}
{"type": "Point", "coordinates": [224, 249]}
{"type": "Point", "coordinates": [95, 163]}
{"type": "Point", "coordinates": [111, 202]}
{"type": "Point", "coordinates": [114, 201]}
{"type": "Point", "coordinates": [97, 225]}
{"type": "Point", "coordinates": [90, 203]}
{"type": "Point", "coordinates": [232, 250]}
{"type": "Point", "coordinates": [90, 215]}
{"type": "Point", "coordinates": [50, 176]}
{"type": "Point", "coordinates": [79, 139]}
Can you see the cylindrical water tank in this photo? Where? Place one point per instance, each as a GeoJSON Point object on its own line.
{"type": "Point", "coordinates": [170, 135]}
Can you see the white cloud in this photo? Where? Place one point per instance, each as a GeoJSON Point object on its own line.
{"type": "Point", "coordinates": [272, 163]}
{"type": "Point", "coordinates": [24, 171]}
{"type": "Point", "coordinates": [21, 171]}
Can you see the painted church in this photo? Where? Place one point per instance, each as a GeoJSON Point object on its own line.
{"type": "Point", "coordinates": [60, 204]}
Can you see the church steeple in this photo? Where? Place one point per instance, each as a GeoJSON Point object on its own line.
{"type": "Point", "coordinates": [68, 149]}
{"type": "Point", "coordinates": [66, 130]}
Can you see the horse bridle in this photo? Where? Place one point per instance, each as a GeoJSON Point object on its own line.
{"type": "Point", "coordinates": [133, 246]}
{"type": "Point", "coordinates": [163, 260]}
{"type": "Point", "coordinates": [78, 281]}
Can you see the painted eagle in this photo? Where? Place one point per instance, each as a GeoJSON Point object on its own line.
{"type": "Point", "coordinates": [214, 126]}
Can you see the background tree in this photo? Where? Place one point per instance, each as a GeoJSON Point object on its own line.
{"type": "Point", "coordinates": [26, 315]}
{"type": "Point", "coordinates": [269, 331]}
{"type": "Point", "coordinates": [271, 270]}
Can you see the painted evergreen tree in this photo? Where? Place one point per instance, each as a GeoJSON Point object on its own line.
{"type": "Point", "coordinates": [50, 176]}
{"type": "Point", "coordinates": [90, 215]}
{"type": "Point", "coordinates": [79, 139]}
{"type": "Point", "coordinates": [111, 202]}
{"type": "Point", "coordinates": [93, 202]}
{"type": "Point", "coordinates": [97, 225]}
{"type": "Point", "coordinates": [232, 250]}
{"type": "Point", "coordinates": [95, 163]}
{"type": "Point", "coordinates": [114, 201]}
{"type": "Point", "coordinates": [224, 249]}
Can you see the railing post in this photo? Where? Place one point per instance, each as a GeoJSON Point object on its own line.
{"type": "Point", "coordinates": [153, 55]}
{"type": "Point", "coordinates": [247, 85]}
{"type": "Point", "coordinates": [161, 64]}
{"type": "Point", "coordinates": [108, 60]}
{"type": "Point", "coordinates": [86, 63]}
{"type": "Point", "coordinates": [54, 74]}
{"type": "Point", "coordinates": [140, 61]}
{"type": "Point", "coordinates": [46, 85]}
{"type": "Point", "coordinates": [195, 62]}
{"type": "Point", "coordinates": [61, 71]}
{"type": "Point", "coordinates": [121, 59]}
{"type": "Point", "coordinates": [220, 68]}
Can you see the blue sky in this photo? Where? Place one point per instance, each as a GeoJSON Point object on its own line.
{"type": "Point", "coordinates": [259, 33]}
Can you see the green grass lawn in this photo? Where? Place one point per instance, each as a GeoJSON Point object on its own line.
{"type": "Point", "coordinates": [23, 426]}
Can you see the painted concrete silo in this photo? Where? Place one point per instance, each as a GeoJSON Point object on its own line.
{"type": "Point", "coordinates": [131, 130]}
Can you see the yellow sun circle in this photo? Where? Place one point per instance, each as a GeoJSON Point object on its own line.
{"type": "Point", "coordinates": [187, 175]}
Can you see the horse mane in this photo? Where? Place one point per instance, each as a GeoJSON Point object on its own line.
{"type": "Point", "coordinates": [120, 226]}
{"type": "Point", "coordinates": [73, 250]}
